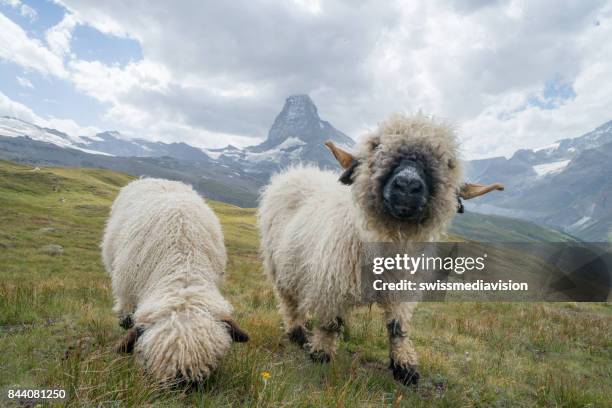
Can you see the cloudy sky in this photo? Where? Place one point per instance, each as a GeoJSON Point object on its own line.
{"type": "Point", "coordinates": [509, 74]}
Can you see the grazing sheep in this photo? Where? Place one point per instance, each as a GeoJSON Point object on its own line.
{"type": "Point", "coordinates": [403, 185]}
{"type": "Point", "coordinates": [163, 248]}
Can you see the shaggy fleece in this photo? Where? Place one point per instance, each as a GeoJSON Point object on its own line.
{"type": "Point", "coordinates": [163, 248]}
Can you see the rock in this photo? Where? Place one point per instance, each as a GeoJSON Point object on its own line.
{"type": "Point", "coordinates": [46, 230]}
{"type": "Point", "coordinates": [53, 249]}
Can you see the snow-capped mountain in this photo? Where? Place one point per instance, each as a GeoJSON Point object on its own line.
{"type": "Point", "coordinates": [297, 135]}
{"type": "Point", "coordinates": [567, 184]}
{"type": "Point", "coordinates": [230, 174]}
{"type": "Point", "coordinates": [13, 127]}
{"type": "Point", "coordinates": [110, 143]}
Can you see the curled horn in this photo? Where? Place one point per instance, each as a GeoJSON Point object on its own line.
{"type": "Point", "coordinates": [471, 190]}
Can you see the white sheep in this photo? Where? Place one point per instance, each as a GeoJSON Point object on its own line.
{"type": "Point", "coordinates": [163, 248]}
{"type": "Point", "coordinates": [402, 186]}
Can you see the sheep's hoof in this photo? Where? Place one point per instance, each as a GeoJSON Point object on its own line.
{"type": "Point", "coordinates": [405, 373]}
{"type": "Point", "coordinates": [126, 322]}
{"type": "Point", "coordinates": [320, 356]}
{"type": "Point", "coordinates": [297, 335]}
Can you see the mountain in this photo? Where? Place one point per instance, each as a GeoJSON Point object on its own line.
{"type": "Point", "coordinates": [297, 135]}
{"type": "Point", "coordinates": [566, 185]}
{"type": "Point", "coordinates": [13, 127]}
{"type": "Point", "coordinates": [299, 119]}
{"type": "Point", "coordinates": [229, 174]}
{"type": "Point", "coordinates": [110, 143]}
{"type": "Point", "coordinates": [115, 144]}
{"type": "Point", "coordinates": [213, 181]}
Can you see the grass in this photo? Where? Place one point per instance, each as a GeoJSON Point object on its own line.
{"type": "Point", "coordinates": [57, 329]}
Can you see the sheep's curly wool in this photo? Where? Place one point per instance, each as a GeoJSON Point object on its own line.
{"type": "Point", "coordinates": [396, 138]}
{"type": "Point", "coordinates": [313, 228]}
{"type": "Point", "coordinates": [163, 248]}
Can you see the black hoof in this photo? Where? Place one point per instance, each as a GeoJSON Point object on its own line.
{"type": "Point", "coordinates": [319, 356]}
{"type": "Point", "coordinates": [297, 335]}
{"type": "Point", "coordinates": [127, 322]}
{"type": "Point", "coordinates": [405, 373]}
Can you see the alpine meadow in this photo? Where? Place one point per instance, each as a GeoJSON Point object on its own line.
{"type": "Point", "coordinates": [57, 329]}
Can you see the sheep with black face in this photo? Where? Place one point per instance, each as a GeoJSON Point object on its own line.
{"type": "Point", "coordinates": [402, 186]}
{"type": "Point", "coordinates": [163, 248]}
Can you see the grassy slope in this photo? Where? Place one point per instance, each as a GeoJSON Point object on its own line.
{"type": "Point", "coordinates": [492, 228]}
{"type": "Point", "coordinates": [471, 354]}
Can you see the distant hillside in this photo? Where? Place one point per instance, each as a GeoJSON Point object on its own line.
{"type": "Point", "coordinates": [566, 185]}
{"type": "Point", "coordinates": [494, 228]}
{"type": "Point", "coordinates": [470, 226]}
{"type": "Point", "coordinates": [217, 182]}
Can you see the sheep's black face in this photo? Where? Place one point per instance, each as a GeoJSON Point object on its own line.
{"type": "Point", "coordinates": [404, 177]}
{"type": "Point", "coordinates": [407, 189]}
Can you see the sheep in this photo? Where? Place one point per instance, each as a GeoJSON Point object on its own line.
{"type": "Point", "coordinates": [163, 249]}
{"type": "Point", "coordinates": [402, 186]}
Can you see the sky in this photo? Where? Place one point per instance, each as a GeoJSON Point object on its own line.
{"type": "Point", "coordinates": [507, 74]}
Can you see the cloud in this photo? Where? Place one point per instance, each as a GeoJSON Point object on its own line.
{"type": "Point", "coordinates": [229, 68]}
{"type": "Point", "coordinates": [144, 95]}
{"type": "Point", "coordinates": [17, 47]}
{"type": "Point", "coordinates": [214, 72]}
{"type": "Point", "coordinates": [8, 107]}
{"type": "Point", "coordinates": [58, 37]}
{"type": "Point", "coordinates": [24, 9]}
{"type": "Point", "coordinates": [25, 82]}
{"type": "Point", "coordinates": [28, 12]}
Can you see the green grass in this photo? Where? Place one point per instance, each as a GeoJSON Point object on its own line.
{"type": "Point", "coordinates": [495, 228]}
{"type": "Point", "coordinates": [57, 329]}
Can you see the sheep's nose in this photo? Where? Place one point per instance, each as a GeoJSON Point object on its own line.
{"type": "Point", "coordinates": [408, 185]}
{"type": "Point", "coordinates": [405, 195]}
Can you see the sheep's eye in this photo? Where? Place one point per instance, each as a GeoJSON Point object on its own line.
{"type": "Point", "coordinates": [375, 146]}
{"type": "Point", "coordinates": [451, 164]}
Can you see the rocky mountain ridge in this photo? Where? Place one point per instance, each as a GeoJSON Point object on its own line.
{"type": "Point", "coordinates": [566, 185]}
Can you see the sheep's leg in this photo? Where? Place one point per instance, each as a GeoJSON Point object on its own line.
{"type": "Point", "coordinates": [292, 319]}
{"type": "Point", "coordinates": [126, 321]}
{"type": "Point", "coordinates": [324, 341]}
{"type": "Point", "coordinates": [125, 314]}
{"type": "Point", "coordinates": [401, 352]}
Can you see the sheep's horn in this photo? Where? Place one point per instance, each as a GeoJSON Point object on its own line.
{"type": "Point", "coordinates": [471, 190]}
{"type": "Point", "coordinates": [344, 158]}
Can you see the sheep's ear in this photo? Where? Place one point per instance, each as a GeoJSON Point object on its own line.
{"type": "Point", "coordinates": [345, 159]}
{"type": "Point", "coordinates": [236, 333]}
{"type": "Point", "coordinates": [129, 340]}
{"type": "Point", "coordinates": [347, 176]}
{"type": "Point", "coordinates": [470, 190]}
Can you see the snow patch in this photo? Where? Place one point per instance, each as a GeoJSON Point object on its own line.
{"type": "Point", "coordinates": [552, 146]}
{"type": "Point", "coordinates": [12, 127]}
{"type": "Point", "coordinates": [550, 168]}
{"type": "Point", "coordinates": [212, 154]}
{"type": "Point", "coordinates": [580, 223]}
{"type": "Point", "coordinates": [290, 142]}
